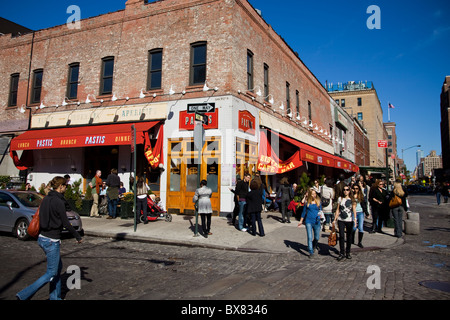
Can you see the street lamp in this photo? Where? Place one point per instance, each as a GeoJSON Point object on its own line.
{"type": "Point", "coordinates": [416, 146]}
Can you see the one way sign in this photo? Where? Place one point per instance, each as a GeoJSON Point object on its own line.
{"type": "Point", "coordinates": [201, 107]}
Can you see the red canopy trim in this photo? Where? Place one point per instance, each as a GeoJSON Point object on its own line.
{"type": "Point", "coordinates": [87, 136]}
{"type": "Point", "coordinates": [155, 156]}
{"type": "Point", "coordinates": [269, 162]}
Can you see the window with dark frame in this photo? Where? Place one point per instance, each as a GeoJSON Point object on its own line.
{"type": "Point", "coordinates": [266, 82]}
{"type": "Point", "coordinates": [359, 102]}
{"type": "Point", "coordinates": [13, 88]}
{"type": "Point", "coordinates": [297, 102]}
{"type": "Point", "coordinates": [72, 80]}
{"type": "Point", "coordinates": [37, 85]}
{"type": "Point", "coordinates": [288, 98]}
{"type": "Point", "coordinates": [309, 110]}
{"type": "Point", "coordinates": [249, 70]}
{"type": "Point", "coordinates": [154, 79]}
{"type": "Point", "coordinates": [198, 63]}
{"type": "Point", "coordinates": [106, 84]}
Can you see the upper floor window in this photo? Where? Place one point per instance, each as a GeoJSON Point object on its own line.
{"type": "Point", "coordinates": [198, 63]}
{"type": "Point", "coordinates": [309, 110]}
{"type": "Point", "coordinates": [266, 82]}
{"type": "Point", "coordinates": [360, 116]}
{"type": "Point", "coordinates": [106, 84]}
{"type": "Point", "coordinates": [72, 80]}
{"type": "Point", "coordinates": [250, 70]}
{"type": "Point", "coordinates": [297, 102]}
{"type": "Point", "coordinates": [343, 103]}
{"type": "Point", "coordinates": [359, 102]}
{"type": "Point", "coordinates": [154, 78]}
{"type": "Point", "coordinates": [13, 88]}
{"type": "Point", "coordinates": [37, 85]}
{"type": "Point", "coordinates": [288, 98]}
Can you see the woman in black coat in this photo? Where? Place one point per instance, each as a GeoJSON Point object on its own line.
{"type": "Point", "coordinates": [254, 206]}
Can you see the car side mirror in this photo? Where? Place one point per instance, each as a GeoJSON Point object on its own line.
{"type": "Point", "coordinates": [9, 204]}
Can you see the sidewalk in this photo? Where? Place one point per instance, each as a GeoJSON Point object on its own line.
{"type": "Point", "coordinates": [279, 238]}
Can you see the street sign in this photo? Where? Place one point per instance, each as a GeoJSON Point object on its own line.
{"type": "Point", "coordinates": [203, 118]}
{"type": "Point", "coordinates": [382, 144]}
{"type": "Point", "coordinates": [201, 107]}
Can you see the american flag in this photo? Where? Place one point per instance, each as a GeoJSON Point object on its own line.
{"type": "Point", "coordinates": [391, 106]}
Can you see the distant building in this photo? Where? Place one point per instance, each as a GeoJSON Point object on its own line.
{"type": "Point", "coordinates": [360, 100]}
{"type": "Point", "coordinates": [429, 164]}
{"type": "Point", "coordinates": [445, 120]}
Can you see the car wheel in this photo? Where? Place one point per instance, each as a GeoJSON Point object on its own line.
{"type": "Point", "coordinates": [20, 230]}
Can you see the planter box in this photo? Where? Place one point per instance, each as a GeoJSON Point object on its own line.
{"type": "Point", "coordinates": [125, 210]}
{"type": "Point", "coordinates": [86, 207]}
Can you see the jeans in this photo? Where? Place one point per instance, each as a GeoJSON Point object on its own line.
{"type": "Point", "coordinates": [360, 220]}
{"type": "Point", "coordinates": [206, 222]}
{"type": "Point", "coordinates": [397, 214]}
{"type": "Point", "coordinates": [141, 204]}
{"type": "Point", "coordinates": [348, 227]}
{"type": "Point", "coordinates": [112, 206]}
{"type": "Point", "coordinates": [54, 267]}
{"type": "Point", "coordinates": [256, 217]}
{"type": "Point", "coordinates": [242, 214]}
{"type": "Point", "coordinates": [312, 243]}
{"type": "Point", "coordinates": [438, 198]}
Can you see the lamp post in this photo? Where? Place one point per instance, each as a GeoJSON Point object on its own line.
{"type": "Point", "coordinates": [416, 146]}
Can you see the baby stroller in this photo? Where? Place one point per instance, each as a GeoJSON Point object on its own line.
{"type": "Point", "coordinates": [154, 212]}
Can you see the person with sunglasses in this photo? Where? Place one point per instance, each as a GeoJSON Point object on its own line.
{"type": "Point", "coordinates": [377, 198]}
{"type": "Point", "coordinates": [346, 218]}
{"type": "Point", "coordinates": [361, 209]}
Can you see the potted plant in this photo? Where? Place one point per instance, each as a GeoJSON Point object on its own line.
{"type": "Point", "coordinates": [87, 202]}
{"type": "Point", "coordinates": [126, 205]}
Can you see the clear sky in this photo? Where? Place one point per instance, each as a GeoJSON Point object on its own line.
{"type": "Point", "coordinates": [407, 58]}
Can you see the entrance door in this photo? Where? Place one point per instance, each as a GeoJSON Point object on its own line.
{"type": "Point", "coordinates": [183, 173]}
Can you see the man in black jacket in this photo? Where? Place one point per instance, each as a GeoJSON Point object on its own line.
{"type": "Point", "coordinates": [241, 194]}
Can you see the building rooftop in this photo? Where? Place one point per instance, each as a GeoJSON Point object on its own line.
{"type": "Point", "coordinates": [349, 86]}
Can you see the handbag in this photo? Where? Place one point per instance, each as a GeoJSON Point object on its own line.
{"type": "Point", "coordinates": [332, 239]}
{"type": "Point", "coordinates": [34, 227]}
{"type": "Point", "coordinates": [395, 202]}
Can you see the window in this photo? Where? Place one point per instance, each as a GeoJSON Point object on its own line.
{"type": "Point", "coordinates": [343, 103]}
{"type": "Point", "coordinates": [359, 102]}
{"type": "Point", "coordinates": [107, 75]}
{"type": "Point", "coordinates": [72, 82]}
{"type": "Point", "coordinates": [288, 98]}
{"type": "Point", "coordinates": [337, 101]}
{"type": "Point", "coordinates": [360, 116]}
{"type": "Point", "coordinates": [249, 70]}
{"type": "Point", "coordinates": [198, 63]}
{"type": "Point", "coordinates": [309, 110]}
{"type": "Point", "coordinates": [37, 85]}
{"type": "Point", "coordinates": [266, 82]}
{"type": "Point", "coordinates": [297, 102]}
{"type": "Point", "coordinates": [154, 69]}
{"type": "Point", "coordinates": [13, 88]}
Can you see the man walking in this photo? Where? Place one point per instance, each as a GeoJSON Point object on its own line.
{"type": "Point", "coordinates": [96, 184]}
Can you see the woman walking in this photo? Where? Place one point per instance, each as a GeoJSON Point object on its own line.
{"type": "Point", "coordinates": [377, 198]}
{"type": "Point", "coordinates": [397, 212]}
{"type": "Point", "coordinates": [203, 195]}
{"type": "Point", "coordinates": [311, 217]}
{"type": "Point", "coordinates": [361, 210]}
{"type": "Point", "coordinates": [254, 206]}
{"type": "Point", "coordinates": [346, 219]}
{"type": "Point", "coordinates": [286, 194]}
{"type": "Point", "coordinates": [53, 218]}
{"type": "Point", "coordinates": [141, 198]}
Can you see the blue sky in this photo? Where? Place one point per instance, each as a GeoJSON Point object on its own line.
{"type": "Point", "coordinates": [407, 59]}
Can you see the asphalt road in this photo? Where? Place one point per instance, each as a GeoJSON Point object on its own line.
{"type": "Point", "coordinates": [123, 270]}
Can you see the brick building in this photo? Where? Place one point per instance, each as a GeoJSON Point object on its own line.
{"type": "Point", "coordinates": [76, 93]}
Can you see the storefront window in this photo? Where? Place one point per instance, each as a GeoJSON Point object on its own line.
{"type": "Point", "coordinates": [191, 176]}
{"type": "Point", "coordinates": [212, 171]}
{"type": "Point", "coordinates": [175, 171]}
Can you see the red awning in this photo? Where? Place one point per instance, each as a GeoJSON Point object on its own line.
{"type": "Point", "coordinates": [314, 155]}
{"type": "Point", "coordinates": [77, 137]}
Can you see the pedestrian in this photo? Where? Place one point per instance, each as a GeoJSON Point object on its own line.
{"type": "Point", "coordinates": [361, 211]}
{"type": "Point", "coordinates": [160, 204]}
{"type": "Point", "coordinates": [141, 198]}
{"type": "Point", "coordinates": [317, 187]}
{"type": "Point", "coordinates": [445, 190]}
{"type": "Point", "coordinates": [327, 199]}
{"type": "Point", "coordinates": [311, 216]}
{"type": "Point", "coordinates": [236, 203]}
{"type": "Point", "coordinates": [96, 184]}
{"type": "Point", "coordinates": [68, 181]}
{"type": "Point", "coordinates": [122, 190]}
{"type": "Point", "coordinates": [438, 192]}
{"type": "Point", "coordinates": [203, 196]}
{"type": "Point", "coordinates": [53, 218]}
{"type": "Point", "coordinates": [241, 192]}
{"type": "Point", "coordinates": [338, 189]}
{"type": "Point", "coordinates": [254, 206]}
{"type": "Point", "coordinates": [286, 195]}
{"type": "Point", "coordinates": [377, 198]}
{"type": "Point", "coordinates": [345, 217]}
{"type": "Point", "coordinates": [397, 212]}
{"type": "Point", "coordinates": [112, 194]}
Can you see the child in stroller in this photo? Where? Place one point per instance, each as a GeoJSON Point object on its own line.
{"type": "Point", "coordinates": [154, 212]}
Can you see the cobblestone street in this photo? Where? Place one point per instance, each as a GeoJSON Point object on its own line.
{"type": "Point", "coordinates": [125, 270]}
